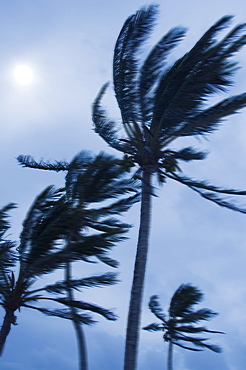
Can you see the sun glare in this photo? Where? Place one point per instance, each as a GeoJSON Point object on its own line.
{"type": "Point", "coordinates": [23, 74]}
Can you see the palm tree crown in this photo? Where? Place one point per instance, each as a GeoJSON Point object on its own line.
{"type": "Point", "coordinates": [179, 326]}
{"type": "Point", "coordinates": [160, 104]}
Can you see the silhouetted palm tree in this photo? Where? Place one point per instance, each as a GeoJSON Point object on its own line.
{"type": "Point", "coordinates": [158, 105]}
{"type": "Point", "coordinates": [179, 326]}
{"type": "Point", "coordinates": [89, 183]}
{"type": "Point", "coordinates": [62, 227]}
{"type": "Point", "coordinates": [41, 252]}
{"type": "Point", "coordinates": [103, 180]}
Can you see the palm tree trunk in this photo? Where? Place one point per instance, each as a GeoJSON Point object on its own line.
{"type": "Point", "coordinates": [5, 329]}
{"type": "Point", "coordinates": [77, 326]}
{"type": "Point", "coordinates": [170, 356]}
{"type": "Point", "coordinates": [134, 314]}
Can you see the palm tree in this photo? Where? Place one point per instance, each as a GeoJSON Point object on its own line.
{"type": "Point", "coordinates": [181, 319]}
{"type": "Point", "coordinates": [158, 105]}
{"type": "Point", "coordinates": [89, 183]}
{"type": "Point", "coordinates": [100, 181]}
{"type": "Point", "coordinates": [39, 254]}
{"type": "Point", "coordinates": [62, 227]}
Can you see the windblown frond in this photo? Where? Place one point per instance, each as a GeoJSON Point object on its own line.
{"type": "Point", "coordinates": [65, 314]}
{"type": "Point", "coordinates": [102, 178]}
{"type": "Point", "coordinates": [208, 192]}
{"type": "Point", "coordinates": [190, 154]}
{"type": "Point", "coordinates": [134, 33]}
{"type": "Point", "coordinates": [196, 316]}
{"type": "Point", "coordinates": [153, 66]}
{"type": "Point", "coordinates": [207, 120]}
{"type": "Point", "coordinates": [45, 207]}
{"type": "Point", "coordinates": [28, 161]}
{"type": "Point", "coordinates": [205, 185]}
{"type": "Point", "coordinates": [87, 306]}
{"type": "Point", "coordinates": [106, 127]}
{"type": "Point", "coordinates": [183, 300]}
{"type": "Point", "coordinates": [93, 281]}
{"type": "Point", "coordinates": [155, 308]}
{"type": "Point", "coordinates": [4, 224]}
{"type": "Point", "coordinates": [153, 327]}
{"type": "Point", "coordinates": [8, 256]}
{"type": "Point", "coordinates": [77, 166]}
{"type": "Point", "coordinates": [221, 201]}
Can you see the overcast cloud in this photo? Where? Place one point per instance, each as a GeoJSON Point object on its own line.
{"type": "Point", "coordinates": [69, 45]}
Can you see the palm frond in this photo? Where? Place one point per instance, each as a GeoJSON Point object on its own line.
{"type": "Point", "coordinates": [41, 226]}
{"type": "Point", "coordinates": [156, 309]}
{"type": "Point", "coordinates": [186, 85]}
{"type": "Point", "coordinates": [87, 306]}
{"type": "Point", "coordinates": [107, 225]}
{"type": "Point", "coordinates": [103, 178]}
{"type": "Point", "coordinates": [37, 212]}
{"type": "Point", "coordinates": [221, 201]}
{"type": "Point", "coordinates": [183, 300]}
{"type": "Point", "coordinates": [190, 154]}
{"type": "Point", "coordinates": [199, 342]}
{"type": "Point", "coordinates": [208, 191]}
{"type": "Point", "coordinates": [86, 247]}
{"type": "Point", "coordinates": [196, 316]}
{"type": "Point", "coordinates": [205, 185]}
{"type": "Point", "coordinates": [186, 347]}
{"type": "Point", "coordinates": [93, 281]}
{"type": "Point", "coordinates": [28, 161]}
{"type": "Point", "coordinates": [195, 329]}
{"type": "Point", "coordinates": [125, 65]}
{"type": "Point", "coordinates": [64, 314]}
{"type": "Point", "coordinates": [153, 66]}
{"type": "Point", "coordinates": [107, 260]}
{"type": "Point", "coordinates": [4, 223]}
{"type": "Point", "coordinates": [121, 205]}
{"type": "Point", "coordinates": [207, 120]}
{"type": "Point", "coordinates": [105, 127]}
{"type": "Point", "coordinates": [77, 166]}
{"type": "Point", "coordinates": [212, 347]}
{"type": "Point", "coordinates": [8, 257]}
{"type": "Point", "coordinates": [153, 327]}
{"type": "Point", "coordinates": [168, 162]}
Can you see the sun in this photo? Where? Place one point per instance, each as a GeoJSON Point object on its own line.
{"type": "Point", "coordinates": [23, 74]}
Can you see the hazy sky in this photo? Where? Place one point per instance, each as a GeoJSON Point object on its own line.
{"type": "Point", "coordinates": [69, 45]}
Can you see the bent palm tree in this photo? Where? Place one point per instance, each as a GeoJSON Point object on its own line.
{"type": "Point", "coordinates": [101, 181]}
{"type": "Point", "coordinates": [89, 183]}
{"type": "Point", "coordinates": [40, 252]}
{"type": "Point", "coordinates": [55, 233]}
{"type": "Point", "coordinates": [159, 105]}
{"type": "Point", "coordinates": [179, 325]}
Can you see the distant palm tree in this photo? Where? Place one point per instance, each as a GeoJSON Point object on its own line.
{"type": "Point", "coordinates": [62, 227]}
{"type": "Point", "coordinates": [159, 105]}
{"type": "Point", "coordinates": [179, 326]}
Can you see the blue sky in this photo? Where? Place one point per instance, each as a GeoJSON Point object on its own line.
{"type": "Point", "coordinates": [69, 45]}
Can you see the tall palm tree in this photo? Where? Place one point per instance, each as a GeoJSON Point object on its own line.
{"type": "Point", "coordinates": [179, 326]}
{"type": "Point", "coordinates": [158, 105]}
{"type": "Point", "coordinates": [89, 183]}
